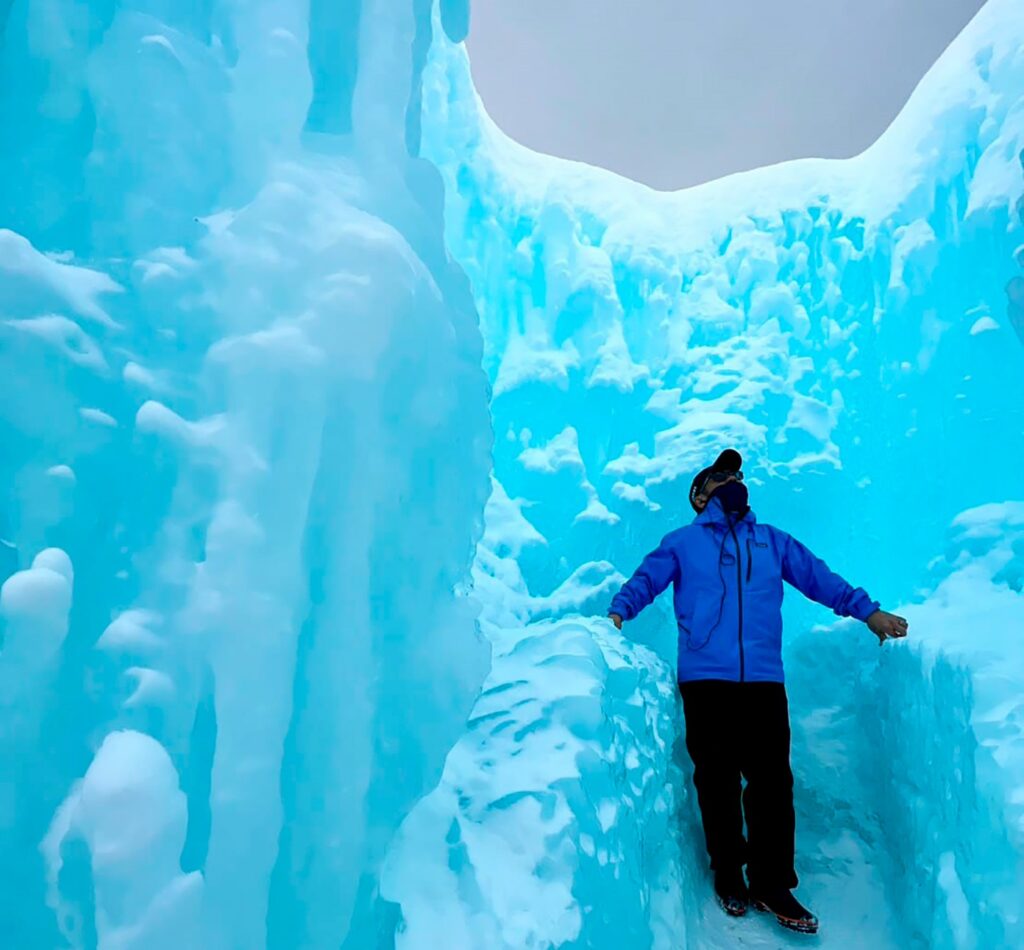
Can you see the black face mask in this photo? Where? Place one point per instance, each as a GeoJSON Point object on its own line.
{"type": "Point", "coordinates": [732, 496]}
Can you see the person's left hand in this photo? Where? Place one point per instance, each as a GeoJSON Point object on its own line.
{"type": "Point", "coordinates": [886, 626]}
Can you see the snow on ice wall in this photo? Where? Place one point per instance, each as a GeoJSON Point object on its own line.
{"type": "Point", "coordinates": [856, 328]}
{"type": "Point", "coordinates": [245, 459]}
{"type": "Point", "coordinates": [836, 318]}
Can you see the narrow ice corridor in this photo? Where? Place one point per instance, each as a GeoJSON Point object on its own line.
{"type": "Point", "coordinates": [855, 328]}
{"type": "Point", "coordinates": [332, 419]}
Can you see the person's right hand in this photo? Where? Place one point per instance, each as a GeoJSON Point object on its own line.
{"type": "Point", "coordinates": [616, 619]}
{"type": "Point", "coordinates": [887, 626]}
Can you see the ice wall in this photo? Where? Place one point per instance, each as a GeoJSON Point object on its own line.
{"type": "Point", "coordinates": [562, 794]}
{"type": "Point", "coordinates": [837, 319]}
{"type": "Point", "coordinates": [856, 329]}
{"type": "Point", "coordinates": [555, 820]}
{"type": "Point", "coordinates": [246, 451]}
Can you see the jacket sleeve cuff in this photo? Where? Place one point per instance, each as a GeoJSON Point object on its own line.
{"type": "Point", "coordinates": [618, 607]}
{"type": "Point", "coordinates": [862, 606]}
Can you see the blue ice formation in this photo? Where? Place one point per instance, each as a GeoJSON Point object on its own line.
{"type": "Point", "coordinates": [258, 265]}
{"type": "Point", "coordinates": [856, 329]}
{"type": "Point", "coordinates": [246, 452]}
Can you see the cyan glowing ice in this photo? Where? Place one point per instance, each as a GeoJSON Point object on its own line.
{"type": "Point", "coordinates": [247, 455]}
{"type": "Point", "coordinates": [856, 328]}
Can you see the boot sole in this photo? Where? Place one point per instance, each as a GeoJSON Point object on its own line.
{"type": "Point", "coordinates": [798, 926]}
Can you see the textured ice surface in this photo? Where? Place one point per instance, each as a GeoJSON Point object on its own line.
{"type": "Point", "coordinates": [131, 816]}
{"type": "Point", "coordinates": [550, 803]}
{"type": "Point", "coordinates": [241, 388]}
{"type": "Point", "coordinates": [856, 329]}
{"type": "Point", "coordinates": [246, 453]}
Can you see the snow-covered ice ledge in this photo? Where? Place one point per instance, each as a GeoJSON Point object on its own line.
{"type": "Point", "coordinates": [555, 821]}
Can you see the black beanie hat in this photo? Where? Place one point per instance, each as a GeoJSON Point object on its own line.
{"type": "Point", "coordinates": [728, 461]}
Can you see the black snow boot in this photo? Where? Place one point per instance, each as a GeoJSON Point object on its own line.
{"type": "Point", "coordinates": [787, 909]}
{"type": "Point", "coordinates": [731, 891]}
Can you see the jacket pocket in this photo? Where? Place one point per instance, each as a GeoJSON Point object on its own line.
{"type": "Point", "coordinates": [760, 563]}
{"type": "Point", "coordinates": [705, 622]}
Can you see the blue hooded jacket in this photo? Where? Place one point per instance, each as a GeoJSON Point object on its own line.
{"type": "Point", "coordinates": [728, 594]}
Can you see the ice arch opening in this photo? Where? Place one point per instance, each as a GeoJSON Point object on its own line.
{"type": "Point", "coordinates": [674, 94]}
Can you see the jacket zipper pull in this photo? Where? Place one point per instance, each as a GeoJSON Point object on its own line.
{"type": "Point", "coordinates": [750, 560]}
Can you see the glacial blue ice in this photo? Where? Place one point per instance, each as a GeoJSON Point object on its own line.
{"type": "Point", "coordinates": [245, 458]}
{"type": "Point", "coordinates": [855, 328]}
{"type": "Point", "coordinates": [295, 652]}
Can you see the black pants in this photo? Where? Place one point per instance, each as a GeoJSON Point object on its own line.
{"type": "Point", "coordinates": [734, 730]}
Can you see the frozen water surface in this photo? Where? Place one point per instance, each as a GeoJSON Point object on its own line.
{"type": "Point", "coordinates": [269, 281]}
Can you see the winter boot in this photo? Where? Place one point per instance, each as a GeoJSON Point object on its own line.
{"type": "Point", "coordinates": [731, 891]}
{"type": "Point", "coordinates": [787, 909]}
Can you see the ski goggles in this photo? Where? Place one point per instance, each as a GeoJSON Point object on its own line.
{"type": "Point", "coordinates": [719, 477]}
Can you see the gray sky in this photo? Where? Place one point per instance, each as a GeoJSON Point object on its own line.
{"type": "Point", "coordinates": [674, 92]}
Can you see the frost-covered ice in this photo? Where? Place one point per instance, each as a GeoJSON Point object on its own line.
{"type": "Point", "coordinates": [131, 815]}
{"type": "Point", "coordinates": [549, 803]}
{"type": "Point", "coordinates": [855, 327]}
{"type": "Point", "coordinates": [241, 388]}
{"type": "Point", "coordinates": [248, 461]}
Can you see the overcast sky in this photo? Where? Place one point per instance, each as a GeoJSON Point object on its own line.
{"type": "Point", "coordinates": [674, 92]}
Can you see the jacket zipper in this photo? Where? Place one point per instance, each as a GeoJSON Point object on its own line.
{"type": "Point", "coordinates": [750, 560]}
{"type": "Point", "coordinates": [739, 597]}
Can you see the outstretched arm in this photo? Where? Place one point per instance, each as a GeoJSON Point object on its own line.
{"type": "Point", "coordinates": [654, 574]}
{"type": "Point", "coordinates": [812, 577]}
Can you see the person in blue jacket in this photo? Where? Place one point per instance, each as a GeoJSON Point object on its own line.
{"type": "Point", "coordinates": [728, 570]}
